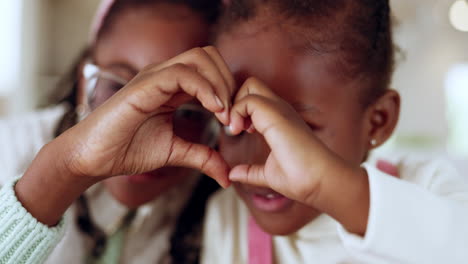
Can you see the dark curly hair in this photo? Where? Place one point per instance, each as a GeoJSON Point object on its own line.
{"type": "Point", "coordinates": [208, 9]}
{"type": "Point", "coordinates": [186, 238]}
{"type": "Point", "coordinates": [358, 33]}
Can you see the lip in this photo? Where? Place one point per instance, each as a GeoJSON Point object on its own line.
{"type": "Point", "coordinates": [266, 200]}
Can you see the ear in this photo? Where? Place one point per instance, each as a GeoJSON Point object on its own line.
{"type": "Point", "coordinates": [382, 118]}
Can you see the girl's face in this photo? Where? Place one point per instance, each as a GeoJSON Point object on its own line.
{"type": "Point", "coordinates": [140, 37]}
{"type": "Point", "coordinates": [304, 79]}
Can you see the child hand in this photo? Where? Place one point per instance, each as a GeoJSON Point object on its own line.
{"type": "Point", "coordinates": [298, 160]}
{"type": "Point", "coordinates": [299, 166]}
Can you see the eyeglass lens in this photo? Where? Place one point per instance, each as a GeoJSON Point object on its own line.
{"type": "Point", "coordinates": [191, 121]}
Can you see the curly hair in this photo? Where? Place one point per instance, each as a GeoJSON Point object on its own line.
{"type": "Point", "coordinates": [358, 33]}
{"type": "Point", "coordinates": [207, 9]}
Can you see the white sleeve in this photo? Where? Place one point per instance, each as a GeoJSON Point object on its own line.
{"type": "Point", "coordinates": [23, 239]}
{"type": "Point", "coordinates": [423, 221]}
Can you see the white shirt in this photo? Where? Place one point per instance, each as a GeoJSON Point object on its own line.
{"type": "Point", "coordinates": [420, 219]}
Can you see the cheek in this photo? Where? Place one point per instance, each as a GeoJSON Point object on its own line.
{"type": "Point", "coordinates": [243, 149]}
{"type": "Point", "coordinates": [346, 139]}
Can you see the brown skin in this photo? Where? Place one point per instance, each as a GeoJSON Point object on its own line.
{"type": "Point", "coordinates": [332, 113]}
{"type": "Point", "coordinates": [315, 154]}
{"type": "Point", "coordinates": [132, 132]}
{"type": "Point", "coordinates": [126, 56]}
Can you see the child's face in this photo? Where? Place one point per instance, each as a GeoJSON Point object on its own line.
{"type": "Point", "coordinates": [138, 38]}
{"type": "Point", "coordinates": [303, 79]}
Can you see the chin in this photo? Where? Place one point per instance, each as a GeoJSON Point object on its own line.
{"type": "Point", "coordinates": [282, 225]}
{"type": "Point", "coordinates": [286, 219]}
{"type": "Point", "coordinates": [276, 230]}
{"type": "Point", "coordinates": [132, 201]}
{"type": "Point", "coordinates": [133, 195]}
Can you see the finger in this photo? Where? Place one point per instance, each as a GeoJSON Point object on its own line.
{"type": "Point", "coordinates": [249, 174]}
{"type": "Point", "coordinates": [252, 86]}
{"type": "Point", "coordinates": [253, 113]}
{"type": "Point", "coordinates": [255, 86]}
{"type": "Point", "coordinates": [202, 62]}
{"type": "Point", "coordinates": [152, 91]}
{"type": "Point", "coordinates": [226, 74]}
{"type": "Point", "coordinates": [222, 66]}
{"type": "Point", "coordinates": [200, 157]}
{"type": "Point", "coordinates": [276, 121]}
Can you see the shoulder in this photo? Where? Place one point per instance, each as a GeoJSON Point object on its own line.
{"type": "Point", "coordinates": [431, 172]}
{"type": "Point", "coordinates": [437, 174]}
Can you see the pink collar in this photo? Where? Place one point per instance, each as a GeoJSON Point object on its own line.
{"type": "Point", "coordinates": [260, 244]}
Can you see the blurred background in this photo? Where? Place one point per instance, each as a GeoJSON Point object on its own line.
{"type": "Point", "coordinates": [41, 38]}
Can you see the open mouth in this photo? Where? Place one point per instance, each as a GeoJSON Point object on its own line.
{"type": "Point", "coordinates": [265, 199]}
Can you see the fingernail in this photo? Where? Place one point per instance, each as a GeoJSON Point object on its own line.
{"type": "Point", "coordinates": [227, 116]}
{"type": "Point", "coordinates": [227, 131]}
{"type": "Point", "coordinates": [251, 129]}
{"type": "Point", "coordinates": [231, 128]}
{"type": "Point", "coordinates": [218, 101]}
{"type": "Point", "coordinates": [233, 177]}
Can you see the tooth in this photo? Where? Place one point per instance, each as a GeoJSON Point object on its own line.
{"type": "Point", "coordinates": [270, 196]}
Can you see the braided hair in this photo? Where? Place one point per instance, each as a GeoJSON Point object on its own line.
{"type": "Point", "coordinates": [186, 238]}
{"type": "Point", "coordinates": [358, 33]}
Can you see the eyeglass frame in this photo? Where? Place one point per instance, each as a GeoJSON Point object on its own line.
{"type": "Point", "coordinates": [92, 71]}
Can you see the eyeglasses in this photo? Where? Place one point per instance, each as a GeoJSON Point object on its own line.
{"type": "Point", "coordinates": [191, 121]}
{"type": "Point", "coordinates": [100, 85]}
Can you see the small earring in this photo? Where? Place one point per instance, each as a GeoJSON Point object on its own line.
{"type": "Point", "coordinates": [373, 142]}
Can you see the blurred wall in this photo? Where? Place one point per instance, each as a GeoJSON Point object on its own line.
{"type": "Point", "coordinates": [430, 47]}
{"type": "Point", "coordinates": [53, 33]}
{"type": "Point", "coordinates": [68, 26]}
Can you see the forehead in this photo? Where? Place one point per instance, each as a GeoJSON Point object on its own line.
{"type": "Point", "coordinates": [277, 57]}
{"type": "Point", "coordinates": [140, 37]}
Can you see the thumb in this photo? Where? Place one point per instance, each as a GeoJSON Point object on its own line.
{"type": "Point", "coordinates": [200, 157]}
{"type": "Point", "coordinates": [249, 174]}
